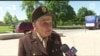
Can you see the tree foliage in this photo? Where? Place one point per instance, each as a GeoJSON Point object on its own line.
{"type": "Point", "coordinates": [15, 19]}
{"type": "Point", "coordinates": [61, 9]}
{"type": "Point", "coordinates": [82, 12]}
{"type": "Point", "coordinates": [90, 12]}
{"type": "Point", "coordinates": [28, 6]}
{"type": "Point", "coordinates": [1, 23]}
{"type": "Point", "coordinates": [8, 18]}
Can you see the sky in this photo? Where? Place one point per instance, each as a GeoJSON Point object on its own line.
{"type": "Point", "coordinates": [91, 5]}
{"type": "Point", "coordinates": [14, 7]}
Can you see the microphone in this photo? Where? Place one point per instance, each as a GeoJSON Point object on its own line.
{"type": "Point", "coordinates": [68, 52]}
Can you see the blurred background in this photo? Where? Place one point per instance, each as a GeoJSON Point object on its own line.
{"type": "Point", "coordinates": [72, 21]}
{"type": "Point", "coordinates": [68, 14]}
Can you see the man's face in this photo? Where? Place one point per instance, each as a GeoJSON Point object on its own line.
{"type": "Point", "coordinates": [44, 25]}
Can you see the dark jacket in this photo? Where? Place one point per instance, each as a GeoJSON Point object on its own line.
{"type": "Point", "coordinates": [30, 45]}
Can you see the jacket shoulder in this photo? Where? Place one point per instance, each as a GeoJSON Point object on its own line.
{"type": "Point", "coordinates": [55, 34]}
{"type": "Point", "coordinates": [25, 37]}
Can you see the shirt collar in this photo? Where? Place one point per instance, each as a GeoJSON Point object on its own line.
{"type": "Point", "coordinates": [40, 38]}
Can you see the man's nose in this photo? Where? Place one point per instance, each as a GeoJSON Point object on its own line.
{"type": "Point", "coordinates": [49, 25]}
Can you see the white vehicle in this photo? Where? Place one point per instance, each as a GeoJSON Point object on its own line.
{"type": "Point", "coordinates": [92, 22]}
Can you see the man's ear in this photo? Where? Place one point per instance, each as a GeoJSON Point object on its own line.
{"type": "Point", "coordinates": [34, 24]}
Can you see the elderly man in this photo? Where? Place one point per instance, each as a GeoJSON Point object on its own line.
{"type": "Point", "coordinates": [43, 41]}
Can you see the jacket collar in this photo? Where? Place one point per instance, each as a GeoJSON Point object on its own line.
{"type": "Point", "coordinates": [37, 43]}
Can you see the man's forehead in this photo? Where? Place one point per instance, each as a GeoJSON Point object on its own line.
{"type": "Point", "coordinates": [45, 18]}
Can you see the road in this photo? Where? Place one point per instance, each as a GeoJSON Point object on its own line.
{"type": "Point", "coordinates": [87, 42]}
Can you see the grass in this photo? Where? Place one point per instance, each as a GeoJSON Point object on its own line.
{"type": "Point", "coordinates": [71, 27]}
{"type": "Point", "coordinates": [5, 29]}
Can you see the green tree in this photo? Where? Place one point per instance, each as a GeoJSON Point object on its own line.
{"type": "Point", "coordinates": [8, 18]}
{"type": "Point", "coordinates": [82, 12]}
{"type": "Point", "coordinates": [68, 16]}
{"type": "Point", "coordinates": [61, 9]}
{"type": "Point", "coordinates": [15, 19]}
{"type": "Point", "coordinates": [28, 6]}
{"type": "Point", "coordinates": [1, 23]}
{"type": "Point", "coordinates": [90, 12]}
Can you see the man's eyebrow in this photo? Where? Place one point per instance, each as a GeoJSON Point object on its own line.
{"type": "Point", "coordinates": [43, 20]}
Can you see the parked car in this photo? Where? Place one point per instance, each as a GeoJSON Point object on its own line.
{"type": "Point", "coordinates": [24, 27]}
